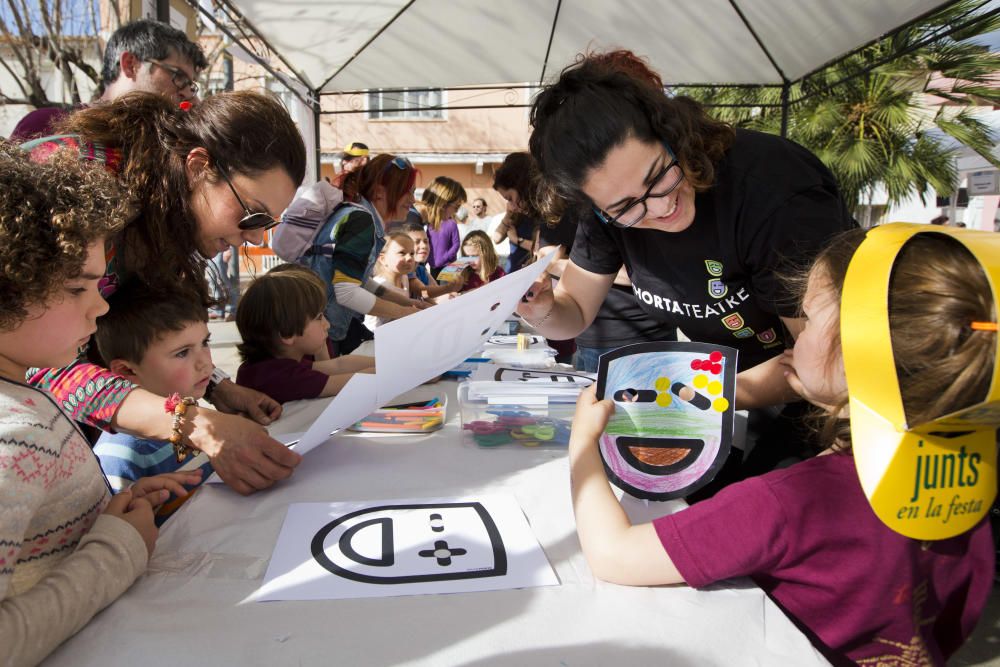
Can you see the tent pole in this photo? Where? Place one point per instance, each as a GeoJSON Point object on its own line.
{"type": "Point", "coordinates": [260, 61]}
{"type": "Point", "coordinates": [784, 108]}
{"type": "Point", "coordinates": [316, 109]}
{"type": "Point", "coordinates": [548, 47]}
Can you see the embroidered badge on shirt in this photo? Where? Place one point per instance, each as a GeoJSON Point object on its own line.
{"type": "Point", "coordinates": [717, 288]}
{"type": "Point", "coordinates": [745, 332]}
{"type": "Point", "coordinates": [733, 322]}
{"type": "Point", "coordinates": [768, 336]}
{"type": "Point", "coordinates": [713, 267]}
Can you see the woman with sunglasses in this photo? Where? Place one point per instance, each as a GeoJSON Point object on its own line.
{"type": "Point", "coordinates": [203, 178]}
{"type": "Point", "coordinates": [385, 187]}
{"type": "Point", "coordinates": [704, 218]}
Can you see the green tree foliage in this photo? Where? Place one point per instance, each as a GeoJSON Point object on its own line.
{"type": "Point", "coordinates": [884, 115]}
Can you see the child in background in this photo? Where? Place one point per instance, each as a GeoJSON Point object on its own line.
{"type": "Point", "coordinates": [422, 283]}
{"type": "Point", "coordinates": [158, 341]}
{"type": "Point", "coordinates": [806, 534]}
{"type": "Point", "coordinates": [67, 548]}
{"type": "Point", "coordinates": [436, 209]}
{"type": "Point", "coordinates": [487, 269]}
{"type": "Point", "coordinates": [285, 350]}
{"type": "Point", "coordinates": [392, 267]}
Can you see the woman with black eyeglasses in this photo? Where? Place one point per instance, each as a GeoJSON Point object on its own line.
{"type": "Point", "coordinates": [203, 178]}
{"type": "Point", "coordinates": [704, 218]}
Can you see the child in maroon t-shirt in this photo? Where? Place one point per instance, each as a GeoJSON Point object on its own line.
{"type": "Point", "coordinates": [807, 534]}
{"type": "Point", "coordinates": [286, 353]}
{"type": "Point", "coordinates": [487, 267]}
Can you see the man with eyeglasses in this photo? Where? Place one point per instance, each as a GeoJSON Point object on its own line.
{"type": "Point", "coordinates": [143, 55]}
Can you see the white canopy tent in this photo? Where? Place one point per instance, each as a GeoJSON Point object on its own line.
{"type": "Point", "coordinates": [335, 46]}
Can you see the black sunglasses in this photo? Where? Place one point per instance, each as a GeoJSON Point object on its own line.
{"type": "Point", "coordinates": [251, 220]}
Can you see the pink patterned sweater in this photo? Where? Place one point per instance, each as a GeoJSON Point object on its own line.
{"type": "Point", "coordinates": [61, 560]}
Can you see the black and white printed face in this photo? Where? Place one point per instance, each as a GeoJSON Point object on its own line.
{"type": "Point", "coordinates": [397, 544]}
{"type": "Point", "coordinates": [505, 374]}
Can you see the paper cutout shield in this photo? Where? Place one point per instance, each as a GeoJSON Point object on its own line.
{"type": "Point", "coordinates": [673, 421]}
{"type": "Point", "coordinates": [935, 480]}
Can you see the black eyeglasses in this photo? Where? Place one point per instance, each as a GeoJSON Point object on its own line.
{"type": "Point", "coordinates": [663, 182]}
{"type": "Point", "coordinates": [251, 220]}
{"type": "Point", "coordinates": [177, 76]}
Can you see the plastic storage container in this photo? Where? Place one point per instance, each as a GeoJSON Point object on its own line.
{"type": "Point", "coordinates": [534, 422]}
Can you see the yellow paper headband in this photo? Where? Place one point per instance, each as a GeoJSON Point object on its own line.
{"type": "Point", "coordinates": [934, 480]}
{"type": "Point", "coordinates": [355, 150]}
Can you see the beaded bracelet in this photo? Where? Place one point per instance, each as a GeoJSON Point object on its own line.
{"type": "Point", "coordinates": [177, 406]}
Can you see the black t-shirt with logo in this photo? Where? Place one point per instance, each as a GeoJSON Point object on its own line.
{"type": "Point", "coordinates": [773, 206]}
{"type": "Point", "coordinates": [620, 320]}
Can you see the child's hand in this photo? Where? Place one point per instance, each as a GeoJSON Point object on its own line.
{"type": "Point", "coordinates": [420, 304]}
{"type": "Point", "coordinates": [157, 489]}
{"type": "Point", "coordinates": [591, 415]}
{"type": "Point", "coordinates": [138, 513]}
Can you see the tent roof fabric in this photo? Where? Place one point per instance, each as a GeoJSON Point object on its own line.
{"type": "Point", "coordinates": [337, 46]}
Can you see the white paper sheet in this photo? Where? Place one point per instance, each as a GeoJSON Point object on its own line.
{"type": "Point", "coordinates": [403, 547]}
{"type": "Point", "coordinates": [418, 347]}
{"type": "Point", "coordinates": [498, 383]}
{"type": "Point", "coordinates": [357, 399]}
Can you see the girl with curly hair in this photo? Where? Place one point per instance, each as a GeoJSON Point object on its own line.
{"type": "Point", "coordinates": [703, 217]}
{"type": "Point", "coordinates": [202, 178]}
{"type": "Point", "coordinates": [68, 548]}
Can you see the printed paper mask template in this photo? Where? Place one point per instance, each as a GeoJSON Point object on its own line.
{"type": "Point", "coordinates": [673, 421]}
{"type": "Point", "coordinates": [384, 548]}
{"type": "Point", "coordinates": [397, 544]}
{"type": "Point", "coordinates": [508, 374]}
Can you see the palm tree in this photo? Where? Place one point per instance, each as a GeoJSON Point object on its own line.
{"type": "Point", "coordinates": [883, 115]}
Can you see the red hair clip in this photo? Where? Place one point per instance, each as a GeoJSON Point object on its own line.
{"type": "Point", "coordinates": [185, 106]}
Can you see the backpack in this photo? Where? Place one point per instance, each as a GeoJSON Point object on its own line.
{"type": "Point", "coordinates": [318, 254]}
{"type": "Point", "coordinates": [304, 219]}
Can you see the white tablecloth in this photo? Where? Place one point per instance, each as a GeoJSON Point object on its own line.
{"type": "Point", "coordinates": [191, 609]}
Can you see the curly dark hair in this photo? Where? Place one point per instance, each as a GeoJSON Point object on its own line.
{"type": "Point", "coordinates": [603, 99]}
{"type": "Point", "coordinates": [49, 214]}
{"type": "Point", "coordinates": [248, 132]}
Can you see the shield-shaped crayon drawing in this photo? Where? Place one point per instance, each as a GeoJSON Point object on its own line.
{"type": "Point", "coordinates": [673, 421]}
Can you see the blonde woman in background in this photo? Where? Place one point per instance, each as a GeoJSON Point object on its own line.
{"type": "Point", "coordinates": [436, 209]}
